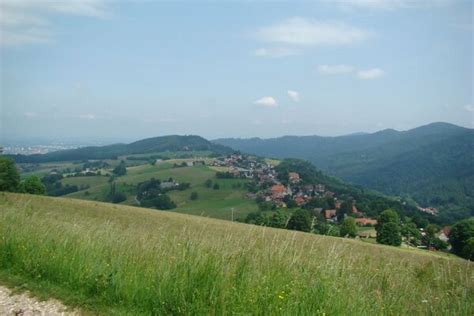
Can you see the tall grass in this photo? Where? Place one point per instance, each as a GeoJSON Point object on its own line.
{"type": "Point", "coordinates": [126, 260]}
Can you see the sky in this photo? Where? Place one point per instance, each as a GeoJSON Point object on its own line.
{"type": "Point", "coordinates": [125, 70]}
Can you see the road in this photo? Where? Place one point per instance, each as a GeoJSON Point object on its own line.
{"type": "Point", "coordinates": [24, 305]}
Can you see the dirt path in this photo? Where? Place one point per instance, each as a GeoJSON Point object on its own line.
{"type": "Point", "coordinates": [23, 305]}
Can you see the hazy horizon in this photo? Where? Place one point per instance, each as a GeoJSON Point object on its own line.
{"type": "Point", "coordinates": [85, 141]}
{"type": "Point", "coordinates": [109, 71]}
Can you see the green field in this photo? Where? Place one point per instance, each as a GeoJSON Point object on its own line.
{"type": "Point", "coordinates": [114, 259]}
{"type": "Point", "coordinates": [212, 203]}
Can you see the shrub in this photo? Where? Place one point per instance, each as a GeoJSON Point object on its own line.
{"type": "Point", "coordinates": [32, 185]}
{"type": "Point", "coordinates": [388, 229]}
{"type": "Point", "coordinates": [348, 228]}
{"type": "Point", "coordinates": [461, 238]}
{"type": "Point", "coordinates": [300, 220]}
{"type": "Point", "coordinates": [9, 176]}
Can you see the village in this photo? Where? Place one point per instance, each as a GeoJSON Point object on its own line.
{"type": "Point", "coordinates": [279, 194]}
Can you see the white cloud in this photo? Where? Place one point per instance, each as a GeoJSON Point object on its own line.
{"type": "Point", "coordinates": [268, 102]}
{"type": "Point", "coordinates": [87, 116]}
{"type": "Point", "coordinates": [392, 4]}
{"type": "Point", "coordinates": [370, 74]}
{"type": "Point", "coordinates": [301, 31]}
{"type": "Point", "coordinates": [335, 69]}
{"type": "Point", "coordinates": [294, 95]}
{"type": "Point", "coordinates": [276, 52]}
{"type": "Point", "coordinates": [26, 21]}
{"type": "Point", "coordinates": [469, 108]}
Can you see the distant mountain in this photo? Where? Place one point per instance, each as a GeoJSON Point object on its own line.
{"type": "Point", "coordinates": [433, 164]}
{"type": "Point", "coordinates": [149, 145]}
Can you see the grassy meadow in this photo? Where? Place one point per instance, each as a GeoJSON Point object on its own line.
{"type": "Point", "coordinates": [211, 203]}
{"type": "Point", "coordinates": [115, 259]}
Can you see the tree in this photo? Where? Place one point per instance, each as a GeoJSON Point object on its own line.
{"type": "Point", "coordinates": [461, 238]}
{"type": "Point", "coordinates": [161, 202]}
{"type": "Point", "coordinates": [291, 203]}
{"type": "Point", "coordinates": [216, 186]}
{"type": "Point", "coordinates": [9, 176]}
{"type": "Point", "coordinates": [300, 220]}
{"type": "Point", "coordinates": [321, 225]}
{"type": "Point", "coordinates": [32, 185]}
{"type": "Point", "coordinates": [430, 235]}
{"type": "Point", "coordinates": [348, 228]}
{"type": "Point", "coordinates": [208, 183]}
{"type": "Point", "coordinates": [194, 196]}
{"type": "Point", "coordinates": [256, 218]}
{"type": "Point", "coordinates": [411, 233]}
{"type": "Point", "coordinates": [278, 219]}
{"type": "Point", "coordinates": [344, 210]}
{"type": "Point", "coordinates": [388, 228]}
{"type": "Point", "coordinates": [120, 170]}
{"type": "Point", "coordinates": [118, 197]}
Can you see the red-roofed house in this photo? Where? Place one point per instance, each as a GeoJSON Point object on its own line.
{"type": "Point", "coordinates": [278, 191]}
{"type": "Point", "coordinates": [328, 214]}
{"type": "Point", "coordinates": [355, 210]}
{"type": "Point", "coordinates": [366, 221]}
{"type": "Point", "coordinates": [300, 200]}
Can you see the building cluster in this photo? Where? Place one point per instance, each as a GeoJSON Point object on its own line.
{"type": "Point", "coordinates": [429, 210]}
{"type": "Point", "coordinates": [247, 167]}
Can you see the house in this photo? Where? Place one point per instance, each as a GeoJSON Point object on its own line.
{"type": "Point", "coordinates": [337, 204]}
{"type": "Point", "coordinates": [330, 214]}
{"type": "Point", "coordinates": [355, 210]}
{"type": "Point", "coordinates": [300, 200]}
{"type": "Point", "coordinates": [308, 189]}
{"type": "Point", "coordinates": [278, 191]}
{"type": "Point", "coordinates": [429, 210]}
{"type": "Point", "coordinates": [168, 185]}
{"type": "Point", "coordinates": [329, 194]}
{"type": "Point", "coordinates": [293, 177]}
{"type": "Point", "coordinates": [364, 221]}
{"type": "Point", "coordinates": [317, 211]}
{"type": "Point", "coordinates": [444, 233]}
{"type": "Point", "coordinates": [320, 187]}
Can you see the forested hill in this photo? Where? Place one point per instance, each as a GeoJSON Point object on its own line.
{"type": "Point", "coordinates": [149, 145]}
{"type": "Point", "coordinates": [433, 163]}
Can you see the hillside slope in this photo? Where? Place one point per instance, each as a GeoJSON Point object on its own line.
{"type": "Point", "coordinates": [432, 163]}
{"type": "Point", "coordinates": [149, 145]}
{"type": "Point", "coordinates": [119, 259]}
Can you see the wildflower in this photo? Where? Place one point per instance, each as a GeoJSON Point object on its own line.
{"type": "Point", "coordinates": [424, 301]}
{"type": "Point", "coordinates": [281, 297]}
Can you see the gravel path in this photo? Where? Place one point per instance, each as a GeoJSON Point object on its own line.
{"type": "Point", "coordinates": [23, 305]}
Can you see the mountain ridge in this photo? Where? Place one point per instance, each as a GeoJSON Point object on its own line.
{"type": "Point", "coordinates": [143, 146]}
{"type": "Point", "coordinates": [390, 161]}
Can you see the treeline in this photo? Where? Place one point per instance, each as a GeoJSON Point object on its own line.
{"type": "Point", "coordinates": [150, 145]}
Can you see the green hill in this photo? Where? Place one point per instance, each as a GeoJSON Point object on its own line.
{"type": "Point", "coordinates": [230, 198]}
{"type": "Point", "coordinates": [172, 143]}
{"type": "Point", "coordinates": [116, 259]}
{"type": "Point", "coordinates": [432, 164]}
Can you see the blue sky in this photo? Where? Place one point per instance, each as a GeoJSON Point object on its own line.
{"type": "Point", "coordinates": [126, 70]}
